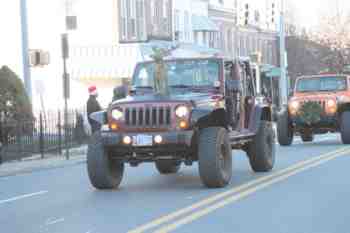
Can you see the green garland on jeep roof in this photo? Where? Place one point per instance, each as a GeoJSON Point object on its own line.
{"type": "Point", "coordinates": [310, 112]}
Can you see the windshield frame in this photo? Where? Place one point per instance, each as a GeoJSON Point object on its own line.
{"type": "Point", "coordinates": [320, 77]}
{"type": "Point", "coordinates": [218, 60]}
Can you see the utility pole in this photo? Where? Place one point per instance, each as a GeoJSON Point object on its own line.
{"type": "Point", "coordinates": [236, 44]}
{"type": "Point", "coordinates": [283, 84]}
{"type": "Point", "coordinates": [25, 55]}
{"type": "Point", "coordinates": [66, 78]}
{"type": "Point", "coordinates": [66, 89]}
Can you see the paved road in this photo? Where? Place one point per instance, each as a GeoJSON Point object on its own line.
{"type": "Point", "coordinates": [308, 191]}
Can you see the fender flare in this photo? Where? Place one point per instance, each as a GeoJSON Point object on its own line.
{"type": "Point", "coordinates": [207, 117]}
{"type": "Point", "coordinates": [100, 117]}
{"type": "Point", "coordinates": [198, 114]}
{"type": "Point", "coordinates": [259, 113]}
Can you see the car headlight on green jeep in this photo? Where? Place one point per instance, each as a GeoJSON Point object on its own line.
{"type": "Point", "coordinates": [182, 111]}
{"type": "Point", "coordinates": [117, 114]}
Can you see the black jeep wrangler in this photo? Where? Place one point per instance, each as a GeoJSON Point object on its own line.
{"type": "Point", "coordinates": [212, 107]}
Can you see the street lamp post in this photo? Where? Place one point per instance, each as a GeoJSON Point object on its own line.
{"type": "Point", "coordinates": [283, 84]}
{"type": "Point", "coordinates": [25, 55]}
{"type": "Point", "coordinates": [66, 78]}
{"type": "Point", "coordinates": [236, 29]}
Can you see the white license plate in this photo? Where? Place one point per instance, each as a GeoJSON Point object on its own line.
{"type": "Point", "coordinates": [142, 140]}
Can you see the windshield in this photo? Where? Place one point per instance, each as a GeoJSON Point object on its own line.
{"type": "Point", "coordinates": [331, 83]}
{"type": "Point", "coordinates": [184, 73]}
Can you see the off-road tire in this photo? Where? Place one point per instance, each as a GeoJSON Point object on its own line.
{"type": "Point", "coordinates": [104, 172]}
{"type": "Point", "coordinates": [168, 166]}
{"type": "Point", "coordinates": [345, 127]}
{"type": "Point", "coordinates": [307, 137]}
{"type": "Point", "coordinates": [285, 132]}
{"type": "Point", "coordinates": [214, 157]}
{"type": "Point", "coordinates": [261, 151]}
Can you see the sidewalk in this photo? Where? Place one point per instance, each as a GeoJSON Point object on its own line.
{"type": "Point", "coordinates": [35, 163]}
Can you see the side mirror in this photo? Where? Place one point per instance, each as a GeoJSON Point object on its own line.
{"type": "Point", "coordinates": [217, 84]}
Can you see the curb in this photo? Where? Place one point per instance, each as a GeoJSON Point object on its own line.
{"type": "Point", "coordinates": [35, 164]}
{"type": "Point", "coordinates": [31, 169]}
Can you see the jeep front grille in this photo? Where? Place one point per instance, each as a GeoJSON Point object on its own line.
{"type": "Point", "coordinates": [152, 117]}
{"type": "Point", "coordinates": [322, 103]}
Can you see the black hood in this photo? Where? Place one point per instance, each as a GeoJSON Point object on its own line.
{"type": "Point", "coordinates": [193, 97]}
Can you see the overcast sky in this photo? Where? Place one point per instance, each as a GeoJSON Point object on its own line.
{"type": "Point", "coordinates": [309, 11]}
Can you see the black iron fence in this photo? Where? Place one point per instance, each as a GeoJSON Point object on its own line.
{"type": "Point", "coordinates": [46, 133]}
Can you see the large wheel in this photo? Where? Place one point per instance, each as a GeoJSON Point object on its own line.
{"type": "Point", "coordinates": [214, 157]}
{"type": "Point", "coordinates": [307, 137]}
{"type": "Point", "coordinates": [345, 127]}
{"type": "Point", "coordinates": [285, 132]}
{"type": "Point", "coordinates": [168, 166]}
{"type": "Point", "coordinates": [104, 172]}
{"type": "Point", "coordinates": [261, 151]}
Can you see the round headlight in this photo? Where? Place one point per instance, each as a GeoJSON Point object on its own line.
{"type": "Point", "coordinates": [182, 111]}
{"type": "Point", "coordinates": [331, 103]}
{"type": "Point", "coordinates": [294, 104]}
{"type": "Point", "coordinates": [117, 114]}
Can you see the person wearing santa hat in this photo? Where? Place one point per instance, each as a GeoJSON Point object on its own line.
{"type": "Point", "coordinates": [93, 106]}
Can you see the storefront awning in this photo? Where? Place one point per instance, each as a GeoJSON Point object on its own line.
{"type": "Point", "coordinates": [271, 71]}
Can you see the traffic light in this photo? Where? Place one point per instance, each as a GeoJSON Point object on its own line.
{"type": "Point", "coordinates": [273, 12]}
{"type": "Point", "coordinates": [71, 22]}
{"type": "Point", "coordinates": [39, 58]}
{"type": "Point", "coordinates": [246, 14]}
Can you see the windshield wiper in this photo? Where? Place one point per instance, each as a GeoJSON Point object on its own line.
{"type": "Point", "coordinates": [330, 90]}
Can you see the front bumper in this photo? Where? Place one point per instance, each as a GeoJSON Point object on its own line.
{"type": "Point", "coordinates": [326, 122]}
{"type": "Point", "coordinates": [172, 143]}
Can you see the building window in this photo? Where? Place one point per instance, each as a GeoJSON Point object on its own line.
{"type": "Point", "coordinates": [212, 39]}
{"type": "Point", "coordinates": [221, 44]}
{"type": "Point", "coordinates": [260, 45]}
{"type": "Point", "coordinates": [217, 39]}
{"type": "Point", "coordinates": [229, 40]}
{"type": "Point", "coordinates": [140, 14]}
{"type": "Point", "coordinates": [205, 38]}
{"type": "Point", "coordinates": [166, 14]}
{"type": "Point", "coordinates": [264, 49]}
{"type": "Point", "coordinates": [196, 40]}
{"type": "Point", "coordinates": [132, 19]}
{"type": "Point", "coordinates": [177, 20]}
{"type": "Point", "coordinates": [249, 48]}
{"type": "Point", "coordinates": [246, 45]}
{"type": "Point", "coordinates": [165, 8]}
{"type": "Point", "coordinates": [177, 25]}
{"type": "Point", "coordinates": [270, 53]}
{"type": "Point", "coordinates": [124, 22]}
{"type": "Point", "coordinates": [237, 49]}
{"type": "Point", "coordinates": [241, 46]}
{"type": "Point", "coordinates": [187, 25]}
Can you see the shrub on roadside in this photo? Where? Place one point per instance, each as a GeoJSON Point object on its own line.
{"type": "Point", "coordinates": [14, 103]}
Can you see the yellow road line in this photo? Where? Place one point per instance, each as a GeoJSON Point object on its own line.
{"type": "Point", "coordinates": [234, 198]}
{"type": "Point", "coordinates": [164, 219]}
